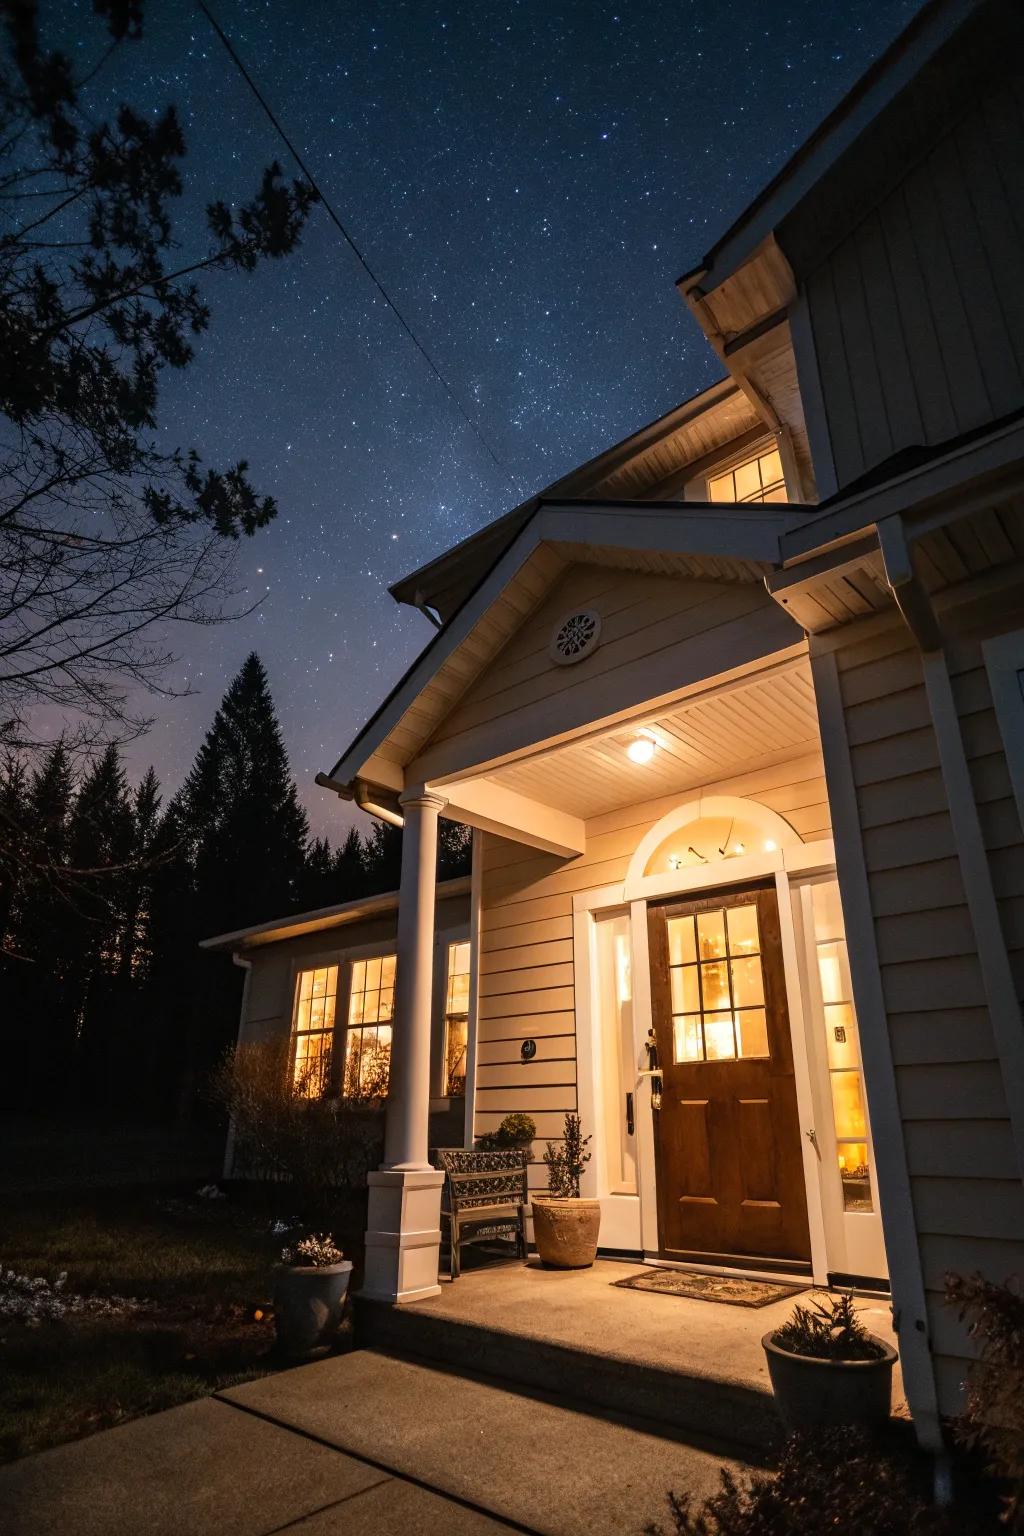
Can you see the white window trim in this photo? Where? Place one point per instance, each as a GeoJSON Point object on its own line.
{"type": "Point", "coordinates": [770, 443]}
{"type": "Point", "coordinates": [344, 960]}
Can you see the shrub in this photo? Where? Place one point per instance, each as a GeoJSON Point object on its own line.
{"type": "Point", "coordinates": [993, 1420]}
{"type": "Point", "coordinates": [831, 1331]}
{"type": "Point", "coordinates": [834, 1482]}
{"type": "Point", "coordinates": [320, 1148]}
{"type": "Point", "coordinates": [318, 1251]}
{"type": "Point", "coordinates": [516, 1130]}
{"type": "Point", "coordinates": [565, 1164]}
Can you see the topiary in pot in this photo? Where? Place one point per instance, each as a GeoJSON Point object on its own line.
{"type": "Point", "coordinates": [826, 1369]}
{"type": "Point", "coordinates": [516, 1130]}
{"type": "Point", "coordinates": [309, 1294]}
{"type": "Point", "coordinates": [565, 1226]}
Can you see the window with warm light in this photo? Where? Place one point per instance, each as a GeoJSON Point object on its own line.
{"type": "Point", "coordinates": [371, 1006]}
{"type": "Point", "coordinates": [316, 994]}
{"type": "Point", "coordinates": [843, 1048]}
{"type": "Point", "coordinates": [717, 985]}
{"type": "Point", "coordinates": [618, 1065]}
{"type": "Point", "coordinates": [456, 1020]}
{"type": "Point", "coordinates": [757, 479]}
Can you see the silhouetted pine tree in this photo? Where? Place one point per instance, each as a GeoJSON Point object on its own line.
{"type": "Point", "coordinates": [350, 868]}
{"type": "Point", "coordinates": [40, 1032]}
{"type": "Point", "coordinates": [238, 837]}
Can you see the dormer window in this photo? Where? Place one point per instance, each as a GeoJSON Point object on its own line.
{"type": "Point", "coordinates": [756, 479]}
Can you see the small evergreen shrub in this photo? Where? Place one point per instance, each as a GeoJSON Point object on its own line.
{"type": "Point", "coordinates": [565, 1164]}
{"type": "Point", "coordinates": [827, 1330]}
{"type": "Point", "coordinates": [515, 1129]}
{"type": "Point", "coordinates": [317, 1251]}
{"type": "Point", "coordinates": [834, 1482]}
{"type": "Point", "coordinates": [993, 1420]}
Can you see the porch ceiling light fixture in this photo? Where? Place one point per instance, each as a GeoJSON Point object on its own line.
{"type": "Point", "coordinates": [642, 748]}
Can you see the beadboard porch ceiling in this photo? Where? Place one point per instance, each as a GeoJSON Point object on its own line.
{"type": "Point", "coordinates": [706, 738]}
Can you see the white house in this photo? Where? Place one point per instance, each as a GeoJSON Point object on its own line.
{"type": "Point", "coordinates": [735, 712]}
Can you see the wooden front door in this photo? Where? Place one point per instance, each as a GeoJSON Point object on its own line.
{"type": "Point", "coordinates": [727, 1135]}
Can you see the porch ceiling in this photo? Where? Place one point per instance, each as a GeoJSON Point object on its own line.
{"type": "Point", "coordinates": [704, 739]}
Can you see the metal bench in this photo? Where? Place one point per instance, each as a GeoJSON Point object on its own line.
{"type": "Point", "coordinates": [484, 1194]}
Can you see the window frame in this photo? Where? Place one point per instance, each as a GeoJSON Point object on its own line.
{"type": "Point", "coordinates": [353, 957]}
{"type": "Point", "coordinates": [748, 455]}
{"type": "Point", "coordinates": [344, 959]}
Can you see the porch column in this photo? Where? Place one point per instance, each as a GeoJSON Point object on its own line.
{"type": "Point", "coordinates": [403, 1237]}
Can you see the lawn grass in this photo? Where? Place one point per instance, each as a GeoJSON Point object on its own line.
{"type": "Point", "coordinates": [203, 1270]}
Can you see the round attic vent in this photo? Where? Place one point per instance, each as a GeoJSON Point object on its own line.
{"type": "Point", "coordinates": [575, 637]}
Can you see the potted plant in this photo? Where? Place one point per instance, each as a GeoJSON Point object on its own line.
{"type": "Point", "coordinates": [516, 1130]}
{"type": "Point", "coordinates": [309, 1294]}
{"type": "Point", "coordinates": [565, 1226]}
{"type": "Point", "coordinates": [827, 1370]}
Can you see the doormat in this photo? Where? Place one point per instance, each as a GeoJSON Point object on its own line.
{"type": "Point", "coordinates": [733, 1291]}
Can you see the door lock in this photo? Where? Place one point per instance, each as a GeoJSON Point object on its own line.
{"type": "Point", "coordinates": [630, 1125]}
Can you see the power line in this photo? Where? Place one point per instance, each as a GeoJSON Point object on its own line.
{"type": "Point", "coordinates": [353, 247]}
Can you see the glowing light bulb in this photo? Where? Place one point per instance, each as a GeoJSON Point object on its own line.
{"type": "Point", "coordinates": [770, 845]}
{"type": "Point", "coordinates": [641, 750]}
{"type": "Point", "coordinates": [675, 861]}
{"type": "Point", "coordinates": [739, 847]}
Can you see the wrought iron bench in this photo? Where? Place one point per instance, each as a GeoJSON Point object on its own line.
{"type": "Point", "coordinates": [482, 1190]}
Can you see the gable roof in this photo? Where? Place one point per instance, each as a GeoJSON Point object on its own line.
{"type": "Point", "coordinates": [719, 542]}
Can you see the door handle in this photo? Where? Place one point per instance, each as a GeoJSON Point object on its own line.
{"type": "Point", "coordinates": [630, 1127]}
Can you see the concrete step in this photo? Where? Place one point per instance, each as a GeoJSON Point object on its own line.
{"type": "Point", "coordinates": [513, 1455]}
{"type": "Point", "coordinates": [606, 1372]}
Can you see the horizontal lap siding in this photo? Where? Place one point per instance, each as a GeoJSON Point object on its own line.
{"type": "Point", "coordinates": [527, 983]}
{"type": "Point", "coordinates": [917, 313]}
{"type": "Point", "coordinates": [968, 1198]}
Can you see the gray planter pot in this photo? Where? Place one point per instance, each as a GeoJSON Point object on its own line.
{"type": "Point", "coordinates": [308, 1303]}
{"type": "Point", "coordinates": [815, 1393]}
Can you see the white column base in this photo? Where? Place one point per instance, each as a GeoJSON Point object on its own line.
{"type": "Point", "coordinates": [403, 1234]}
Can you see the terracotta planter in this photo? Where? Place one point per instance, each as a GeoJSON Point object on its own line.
{"type": "Point", "coordinates": [565, 1232]}
{"type": "Point", "coordinates": [308, 1302]}
{"type": "Point", "coordinates": [811, 1393]}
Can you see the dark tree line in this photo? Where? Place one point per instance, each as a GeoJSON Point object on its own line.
{"type": "Point", "coordinates": [106, 890]}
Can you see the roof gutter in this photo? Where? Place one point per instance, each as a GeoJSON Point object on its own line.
{"type": "Point", "coordinates": [362, 793]}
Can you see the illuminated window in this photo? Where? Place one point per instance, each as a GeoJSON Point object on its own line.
{"type": "Point", "coordinates": [371, 1006]}
{"type": "Point", "coordinates": [456, 1020]}
{"type": "Point", "coordinates": [316, 993]}
{"type": "Point", "coordinates": [843, 1048]}
{"type": "Point", "coordinates": [758, 479]}
{"type": "Point", "coordinates": [718, 1010]}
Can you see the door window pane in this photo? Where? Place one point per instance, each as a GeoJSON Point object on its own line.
{"type": "Point", "coordinates": [719, 1038]}
{"type": "Point", "coordinates": [752, 1032]}
{"type": "Point", "coordinates": [711, 934]}
{"type": "Point", "coordinates": [747, 983]}
{"type": "Point", "coordinates": [685, 989]}
{"type": "Point", "coordinates": [743, 934]}
{"type": "Point", "coordinates": [687, 1039]}
{"type": "Point", "coordinates": [682, 942]}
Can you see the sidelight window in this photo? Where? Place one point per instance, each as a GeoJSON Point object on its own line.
{"type": "Point", "coordinates": [757, 479]}
{"type": "Point", "coordinates": [717, 985]}
{"type": "Point", "coordinates": [456, 1020]}
{"type": "Point", "coordinates": [843, 1049]}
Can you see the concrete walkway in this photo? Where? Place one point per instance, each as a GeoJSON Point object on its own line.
{"type": "Point", "coordinates": [357, 1444]}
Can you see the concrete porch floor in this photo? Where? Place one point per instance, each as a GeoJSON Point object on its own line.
{"type": "Point", "coordinates": [694, 1365]}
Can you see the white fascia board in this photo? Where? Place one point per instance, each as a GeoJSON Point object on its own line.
{"type": "Point", "coordinates": [741, 533]}
{"type": "Point", "coordinates": [493, 808]}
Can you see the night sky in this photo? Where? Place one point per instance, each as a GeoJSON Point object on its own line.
{"type": "Point", "coordinates": [527, 179]}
